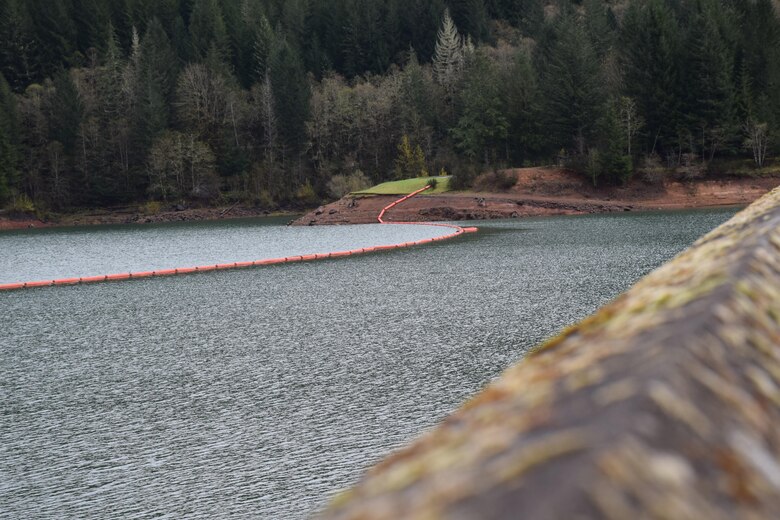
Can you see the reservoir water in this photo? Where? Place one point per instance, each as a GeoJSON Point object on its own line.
{"type": "Point", "coordinates": [259, 393]}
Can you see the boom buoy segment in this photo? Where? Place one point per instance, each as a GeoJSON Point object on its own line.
{"type": "Point", "coordinates": [269, 261]}
{"type": "Point", "coordinates": [66, 281]}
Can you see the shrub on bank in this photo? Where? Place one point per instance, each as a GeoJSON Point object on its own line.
{"type": "Point", "coordinates": [341, 185]}
{"type": "Point", "coordinates": [152, 207]}
{"type": "Point", "coordinates": [497, 180]}
{"type": "Point", "coordinates": [22, 205]}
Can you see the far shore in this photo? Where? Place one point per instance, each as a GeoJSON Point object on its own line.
{"type": "Point", "coordinates": [538, 192]}
{"type": "Point", "coordinates": [545, 192]}
{"type": "Point", "coordinates": [133, 215]}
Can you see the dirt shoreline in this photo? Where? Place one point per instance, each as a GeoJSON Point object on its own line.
{"type": "Point", "coordinates": [538, 192]}
{"type": "Point", "coordinates": [545, 192]}
{"type": "Point", "coordinates": [130, 215]}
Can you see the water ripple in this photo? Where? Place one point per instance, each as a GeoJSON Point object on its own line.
{"type": "Point", "coordinates": [259, 393]}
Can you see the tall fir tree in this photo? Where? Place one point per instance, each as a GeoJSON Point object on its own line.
{"type": "Point", "coordinates": [652, 44]}
{"type": "Point", "coordinates": [572, 86]}
{"type": "Point", "coordinates": [609, 163]}
{"type": "Point", "coordinates": [291, 92]}
{"type": "Point", "coordinates": [448, 58]}
{"type": "Point", "coordinates": [180, 40]}
{"type": "Point", "coordinates": [418, 21]}
{"type": "Point", "coordinates": [9, 132]}
{"type": "Point", "coordinates": [207, 29]}
{"type": "Point", "coordinates": [19, 60]}
{"type": "Point", "coordinates": [598, 26]}
{"type": "Point", "coordinates": [155, 81]}
{"type": "Point", "coordinates": [482, 129]}
{"type": "Point", "coordinates": [55, 33]}
{"type": "Point", "coordinates": [91, 17]}
{"type": "Point", "coordinates": [251, 27]}
{"type": "Point", "coordinates": [471, 17]}
{"type": "Point", "coordinates": [708, 75]}
{"type": "Point", "coordinates": [65, 112]}
{"type": "Point", "coordinates": [759, 58]}
{"type": "Point", "coordinates": [523, 108]}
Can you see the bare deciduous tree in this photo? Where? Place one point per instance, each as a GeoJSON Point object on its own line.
{"type": "Point", "coordinates": [756, 140]}
{"type": "Point", "coordinates": [630, 120]}
{"type": "Point", "coordinates": [202, 98]}
{"type": "Point", "coordinates": [267, 115]}
{"type": "Point", "coordinates": [181, 165]}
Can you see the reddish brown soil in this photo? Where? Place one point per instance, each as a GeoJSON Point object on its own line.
{"type": "Point", "coordinates": [545, 191]}
{"type": "Point", "coordinates": [130, 215]}
{"type": "Point", "coordinates": [538, 192]}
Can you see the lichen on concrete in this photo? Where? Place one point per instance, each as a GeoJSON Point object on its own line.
{"type": "Point", "coordinates": [665, 404]}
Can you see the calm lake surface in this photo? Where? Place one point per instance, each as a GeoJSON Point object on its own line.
{"type": "Point", "coordinates": [259, 393]}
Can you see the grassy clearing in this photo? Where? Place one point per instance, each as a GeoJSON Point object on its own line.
{"type": "Point", "coordinates": [407, 186]}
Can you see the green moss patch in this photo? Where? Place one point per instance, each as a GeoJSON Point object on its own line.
{"type": "Point", "coordinates": [407, 186]}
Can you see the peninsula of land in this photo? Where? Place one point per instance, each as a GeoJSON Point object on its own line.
{"type": "Point", "coordinates": [542, 192]}
{"type": "Point", "coordinates": [533, 192]}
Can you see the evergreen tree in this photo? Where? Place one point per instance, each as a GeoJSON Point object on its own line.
{"type": "Point", "coordinates": [9, 131]}
{"type": "Point", "coordinates": [364, 46]}
{"type": "Point", "coordinates": [652, 57]}
{"type": "Point", "coordinates": [523, 110]}
{"type": "Point", "coordinates": [417, 22]}
{"type": "Point", "coordinates": [688, 76]}
{"type": "Point", "coordinates": [262, 45]}
{"type": "Point", "coordinates": [252, 40]}
{"type": "Point", "coordinates": [609, 163]}
{"type": "Point", "coordinates": [291, 94]}
{"type": "Point", "coordinates": [180, 40]}
{"type": "Point", "coordinates": [65, 111]}
{"type": "Point", "coordinates": [448, 58]}
{"type": "Point", "coordinates": [571, 82]}
{"type": "Point", "coordinates": [710, 91]}
{"type": "Point", "coordinates": [759, 61]}
{"type": "Point", "coordinates": [113, 181]}
{"type": "Point", "coordinates": [119, 16]}
{"type": "Point", "coordinates": [482, 128]}
{"type": "Point", "coordinates": [55, 33]}
{"type": "Point", "coordinates": [353, 55]}
{"type": "Point", "coordinates": [91, 18]}
{"type": "Point", "coordinates": [527, 15]}
{"type": "Point", "coordinates": [294, 20]}
{"type": "Point", "coordinates": [156, 71]}
{"type": "Point", "coordinates": [417, 102]}
{"type": "Point", "coordinates": [207, 29]}
{"type": "Point", "coordinates": [19, 61]}
{"type": "Point", "coordinates": [597, 26]}
{"type": "Point", "coordinates": [471, 17]}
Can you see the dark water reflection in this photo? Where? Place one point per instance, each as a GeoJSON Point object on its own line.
{"type": "Point", "coordinates": [258, 393]}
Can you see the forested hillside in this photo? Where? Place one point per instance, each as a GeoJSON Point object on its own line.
{"type": "Point", "coordinates": [283, 102]}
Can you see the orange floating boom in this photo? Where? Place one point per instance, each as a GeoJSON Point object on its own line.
{"type": "Point", "coordinates": [269, 261]}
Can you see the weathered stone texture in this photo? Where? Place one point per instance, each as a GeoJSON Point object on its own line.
{"type": "Point", "coordinates": [663, 405]}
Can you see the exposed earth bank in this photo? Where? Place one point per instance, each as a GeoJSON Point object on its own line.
{"type": "Point", "coordinates": [538, 192]}
{"type": "Point", "coordinates": [541, 192]}
{"type": "Point", "coordinates": [131, 215]}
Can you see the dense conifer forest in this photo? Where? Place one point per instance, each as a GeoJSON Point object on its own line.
{"type": "Point", "coordinates": [285, 102]}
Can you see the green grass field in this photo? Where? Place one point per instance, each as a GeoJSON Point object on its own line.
{"type": "Point", "coordinates": [407, 186]}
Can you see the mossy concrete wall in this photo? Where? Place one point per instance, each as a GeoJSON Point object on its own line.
{"type": "Point", "coordinates": [663, 405]}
